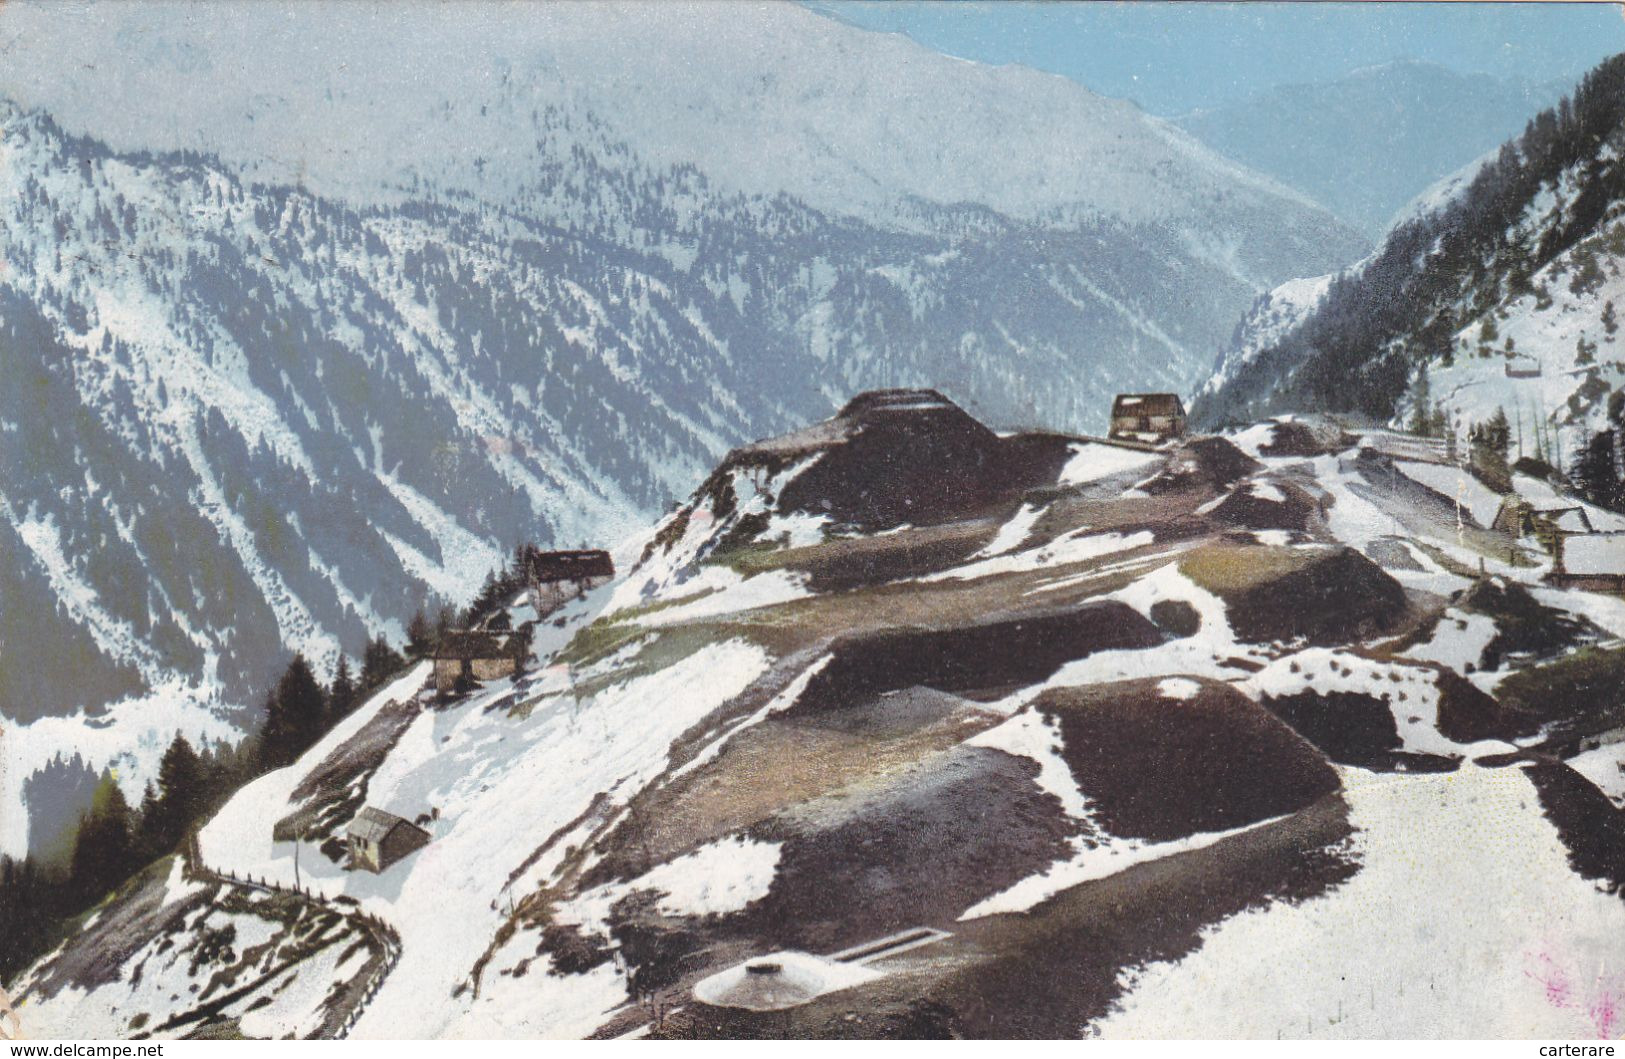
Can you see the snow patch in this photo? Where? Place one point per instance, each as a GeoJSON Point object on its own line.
{"type": "Point", "coordinates": [1179, 688]}
{"type": "Point", "coordinates": [1465, 920]}
{"type": "Point", "coordinates": [1092, 461]}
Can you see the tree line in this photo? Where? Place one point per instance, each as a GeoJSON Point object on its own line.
{"type": "Point", "coordinates": [40, 895]}
{"type": "Point", "coordinates": [1437, 273]}
{"type": "Point", "coordinates": [1596, 472]}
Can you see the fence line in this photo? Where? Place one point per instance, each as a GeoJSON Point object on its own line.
{"type": "Point", "coordinates": [384, 936]}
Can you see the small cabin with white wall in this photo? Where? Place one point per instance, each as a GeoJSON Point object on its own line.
{"type": "Point", "coordinates": [1594, 562]}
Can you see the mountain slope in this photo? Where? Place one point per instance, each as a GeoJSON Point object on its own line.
{"type": "Point", "coordinates": [1064, 735]}
{"type": "Point", "coordinates": [292, 390]}
{"type": "Point", "coordinates": [1365, 144]}
{"type": "Point", "coordinates": [1511, 271]}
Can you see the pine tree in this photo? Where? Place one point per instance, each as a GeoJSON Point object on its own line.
{"type": "Point", "coordinates": [1584, 352]}
{"type": "Point", "coordinates": [486, 599]}
{"type": "Point", "coordinates": [1490, 442]}
{"type": "Point", "coordinates": [1421, 404]}
{"type": "Point", "coordinates": [1610, 323]}
{"type": "Point", "coordinates": [27, 913]}
{"type": "Point", "coordinates": [1595, 473]}
{"type": "Point", "coordinates": [180, 792]}
{"type": "Point", "coordinates": [222, 773]}
{"type": "Point", "coordinates": [101, 851]}
{"type": "Point", "coordinates": [147, 841]}
{"type": "Point", "coordinates": [341, 695]}
{"type": "Point", "coordinates": [524, 554]}
{"type": "Point", "coordinates": [419, 635]}
{"type": "Point", "coordinates": [297, 715]}
{"type": "Point", "coordinates": [1439, 421]}
{"type": "Point", "coordinates": [378, 663]}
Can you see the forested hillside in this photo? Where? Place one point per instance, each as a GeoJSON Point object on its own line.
{"type": "Point", "coordinates": [1504, 292]}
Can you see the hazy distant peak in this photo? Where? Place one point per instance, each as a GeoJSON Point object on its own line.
{"type": "Point", "coordinates": [763, 98]}
{"type": "Point", "coordinates": [1367, 143]}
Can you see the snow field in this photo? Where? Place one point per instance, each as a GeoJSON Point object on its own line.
{"type": "Point", "coordinates": [1464, 921]}
{"type": "Point", "coordinates": [718, 878]}
{"type": "Point", "coordinates": [503, 786]}
{"type": "Point", "coordinates": [1092, 461]}
{"type": "Point", "coordinates": [1078, 546]}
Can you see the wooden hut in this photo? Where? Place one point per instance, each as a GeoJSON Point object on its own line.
{"type": "Point", "coordinates": [378, 839]}
{"type": "Point", "coordinates": [558, 577]}
{"type": "Point", "coordinates": [1147, 417]}
{"type": "Point", "coordinates": [476, 654]}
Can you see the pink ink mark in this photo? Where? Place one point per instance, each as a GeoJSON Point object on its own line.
{"type": "Point", "coordinates": [1604, 1012]}
{"type": "Point", "coordinates": [1559, 993]}
{"type": "Point", "coordinates": [1603, 1001]}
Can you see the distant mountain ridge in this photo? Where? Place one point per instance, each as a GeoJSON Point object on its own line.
{"type": "Point", "coordinates": [1363, 145]}
{"type": "Point", "coordinates": [1515, 267]}
{"type": "Point", "coordinates": [762, 98]}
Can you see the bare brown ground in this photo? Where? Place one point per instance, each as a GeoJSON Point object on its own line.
{"type": "Point", "coordinates": [1048, 973]}
{"type": "Point", "coordinates": [1160, 769]}
{"type": "Point", "coordinates": [773, 766]}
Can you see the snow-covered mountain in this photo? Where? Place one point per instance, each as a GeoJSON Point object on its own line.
{"type": "Point", "coordinates": [383, 290]}
{"type": "Point", "coordinates": [1271, 317]}
{"type": "Point", "coordinates": [1364, 144]}
{"type": "Point", "coordinates": [764, 98]}
{"type": "Point", "coordinates": [1100, 739]}
{"type": "Point", "coordinates": [1501, 284]}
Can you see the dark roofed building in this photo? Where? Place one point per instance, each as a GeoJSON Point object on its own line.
{"type": "Point", "coordinates": [378, 839]}
{"type": "Point", "coordinates": [571, 565]}
{"type": "Point", "coordinates": [1148, 416]}
{"type": "Point", "coordinates": [476, 654]}
{"type": "Point", "coordinates": [557, 577]}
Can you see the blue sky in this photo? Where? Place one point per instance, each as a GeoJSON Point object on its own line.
{"type": "Point", "coordinates": [1175, 57]}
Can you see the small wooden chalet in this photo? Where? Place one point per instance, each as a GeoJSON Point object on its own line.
{"type": "Point", "coordinates": [378, 839]}
{"type": "Point", "coordinates": [476, 654]}
{"type": "Point", "coordinates": [558, 577]}
{"type": "Point", "coordinates": [1147, 417]}
{"type": "Point", "coordinates": [1594, 562]}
